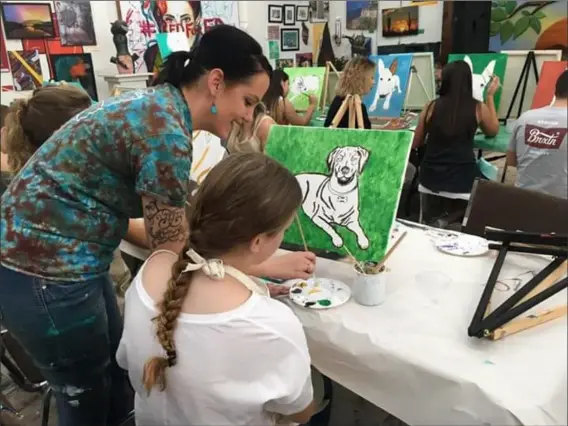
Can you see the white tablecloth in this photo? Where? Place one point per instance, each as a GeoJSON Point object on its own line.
{"type": "Point", "coordinates": [412, 357]}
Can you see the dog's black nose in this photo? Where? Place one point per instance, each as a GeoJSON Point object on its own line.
{"type": "Point", "coordinates": [345, 170]}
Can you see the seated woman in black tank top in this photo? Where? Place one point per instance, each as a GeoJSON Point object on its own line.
{"type": "Point", "coordinates": [448, 125]}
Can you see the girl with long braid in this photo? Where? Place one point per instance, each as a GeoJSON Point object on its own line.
{"type": "Point", "coordinates": [204, 344]}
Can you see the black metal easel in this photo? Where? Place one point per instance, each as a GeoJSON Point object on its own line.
{"type": "Point", "coordinates": [518, 303]}
{"type": "Point", "coordinates": [530, 61]}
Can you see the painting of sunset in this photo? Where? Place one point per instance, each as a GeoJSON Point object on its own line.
{"type": "Point", "coordinates": [27, 20]}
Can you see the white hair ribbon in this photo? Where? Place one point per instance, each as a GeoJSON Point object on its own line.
{"type": "Point", "coordinates": [213, 268]}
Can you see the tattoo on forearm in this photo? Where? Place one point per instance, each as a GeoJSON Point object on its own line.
{"type": "Point", "coordinates": [165, 224]}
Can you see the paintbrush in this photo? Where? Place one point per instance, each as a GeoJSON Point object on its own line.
{"type": "Point", "coordinates": [304, 240]}
{"type": "Point", "coordinates": [357, 264]}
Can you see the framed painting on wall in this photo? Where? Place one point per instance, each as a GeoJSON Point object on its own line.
{"type": "Point", "coordinates": [290, 39]}
{"type": "Point", "coordinates": [319, 11]}
{"type": "Point", "coordinates": [75, 21]}
{"type": "Point", "coordinates": [302, 13]}
{"type": "Point", "coordinates": [284, 63]}
{"type": "Point", "coordinates": [362, 15]}
{"type": "Point", "coordinates": [289, 14]}
{"type": "Point", "coordinates": [26, 69]}
{"type": "Point", "coordinates": [27, 20]}
{"type": "Point", "coordinates": [4, 61]}
{"type": "Point", "coordinates": [275, 14]}
{"type": "Point", "coordinates": [75, 68]}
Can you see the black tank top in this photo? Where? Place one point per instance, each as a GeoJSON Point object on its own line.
{"type": "Point", "coordinates": [449, 161]}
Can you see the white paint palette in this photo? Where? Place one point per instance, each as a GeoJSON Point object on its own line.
{"type": "Point", "coordinates": [319, 293]}
{"type": "Point", "coordinates": [461, 244]}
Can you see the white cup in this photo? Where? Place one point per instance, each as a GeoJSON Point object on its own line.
{"type": "Point", "coordinates": [369, 289]}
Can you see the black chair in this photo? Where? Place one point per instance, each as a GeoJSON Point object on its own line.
{"type": "Point", "coordinates": [23, 372]}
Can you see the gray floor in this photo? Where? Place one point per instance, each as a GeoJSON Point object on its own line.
{"type": "Point", "coordinates": [347, 409]}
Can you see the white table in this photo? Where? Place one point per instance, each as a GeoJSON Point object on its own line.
{"type": "Point", "coordinates": [412, 357]}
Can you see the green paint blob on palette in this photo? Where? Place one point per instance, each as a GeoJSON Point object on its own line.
{"type": "Point", "coordinates": [319, 293]}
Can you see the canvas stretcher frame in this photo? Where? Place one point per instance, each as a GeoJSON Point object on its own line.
{"type": "Point", "coordinates": [502, 321]}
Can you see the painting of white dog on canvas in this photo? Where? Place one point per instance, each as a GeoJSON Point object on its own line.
{"type": "Point", "coordinates": [386, 98]}
{"type": "Point", "coordinates": [332, 199]}
{"type": "Point", "coordinates": [304, 81]}
{"type": "Point", "coordinates": [480, 81]}
{"type": "Point", "coordinates": [484, 66]}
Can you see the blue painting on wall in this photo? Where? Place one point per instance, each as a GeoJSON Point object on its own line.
{"type": "Point", "coordinates": [386, 98]}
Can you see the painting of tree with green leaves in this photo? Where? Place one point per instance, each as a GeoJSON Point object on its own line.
{"type": "Point", "coordinates": [528, 25]}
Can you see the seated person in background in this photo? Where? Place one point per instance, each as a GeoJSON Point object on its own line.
{"type": "Point", "coordinates": [538, 146]}
{"type": "Point", "coordinates": [30, 122]}
{"type": "Point", "coordinates": [358, 78]}
{"type": "Point", "coordinates": [280, 108]}
{"type": "Point", "coordinates": [448, 125]}
{"type": "Point", "coordinates": [203, 343]}
{"type": "Point", "coordinates": [251, 136]}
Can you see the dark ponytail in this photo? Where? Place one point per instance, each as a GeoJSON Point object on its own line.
{"type": "Point", "coordinates": [228, 48]}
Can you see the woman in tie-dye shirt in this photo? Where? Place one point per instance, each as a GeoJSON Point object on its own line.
{"type": "Point", "coordinates": [68, 209]}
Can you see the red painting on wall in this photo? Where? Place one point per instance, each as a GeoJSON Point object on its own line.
{"type": "Point", "coordinates": [4, 62]}
{"type": "Point", "coordinates": [51, 46]}
{"type": "Point", "coordinates": [549, 73]}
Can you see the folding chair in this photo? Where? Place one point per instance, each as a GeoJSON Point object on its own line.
{"type": "Point", "coordinates": [510, 208]}
{"type": "Point", "coordinates": [23, 373]}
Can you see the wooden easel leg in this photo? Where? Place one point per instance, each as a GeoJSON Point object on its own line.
{"type": "Point", "coordinates": [359, 112]}
{"type": "Point", "coordinates": [341, 112]}
{"type": "Point", "coordinates": [529, 322]}
{"type": "Point", "coordinates": [325, 87]}
{"type": "Point", "coordinates": [351, 113]}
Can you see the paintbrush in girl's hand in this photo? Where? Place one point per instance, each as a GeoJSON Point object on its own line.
{"type": "Point", "coordinates": [304, 240]}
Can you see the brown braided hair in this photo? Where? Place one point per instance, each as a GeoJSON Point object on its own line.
{"type": "Point", "coordinates": [243, 196]}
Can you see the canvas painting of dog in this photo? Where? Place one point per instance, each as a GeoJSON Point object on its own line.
{"type": "Point", "coordinates": [304, 81]}
{"type": "Point", "coordinates": [483, 67]}
{"type": "Point", "coordinates": [351, 182]}
{"type": "Point", "coordinates": [333, 199]}
{"type": "Point", "coordinates": [387, 97]}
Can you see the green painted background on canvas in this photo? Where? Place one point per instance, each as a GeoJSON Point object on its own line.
{"type": "Point", "coordinates": [305, 150]}
{"type": "Point", "coordinates": [302, 102]}
{"type": "Point", "coordinates": [479, 62]}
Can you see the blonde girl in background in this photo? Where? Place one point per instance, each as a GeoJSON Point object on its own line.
{"type": "Point", "coordinates": [203, 342]}
{"type": "Point", "coordinates": [358, 78]}
{"type": "Point", "coordinates": [251, 136]}
{"type": "Point", "coordinates": [28, 123]}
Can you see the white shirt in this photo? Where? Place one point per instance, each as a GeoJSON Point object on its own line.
{"type": "Point", "coordinates": [233, 368]}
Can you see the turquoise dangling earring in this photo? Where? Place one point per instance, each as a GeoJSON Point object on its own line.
{"type": "Point", "coordinates": [214, 109]}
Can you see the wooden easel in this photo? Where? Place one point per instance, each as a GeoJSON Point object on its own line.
{"type": "Point", "coordinates": [502, 321]}
{"type": "Point", "coordinates": [351, 105]}
{"type": "Point", "coordinates": [329, 67]}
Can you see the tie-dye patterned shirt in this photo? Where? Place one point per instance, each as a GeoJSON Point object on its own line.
{"type": "Point", "coordinates": [68, 209]}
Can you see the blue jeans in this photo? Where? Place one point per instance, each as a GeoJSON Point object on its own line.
{"type": "Point", "coordinates": [71, 330]}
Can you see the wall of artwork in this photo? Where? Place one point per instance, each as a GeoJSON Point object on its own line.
{"type": "Point", "coordinates": [97, 55]}
{"type": "Point", "coordinates": [254, 18]}
{"type": "Point", "coordinates": [92, 48]}
{"type": "Point", "coordinates": [430, 25]}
